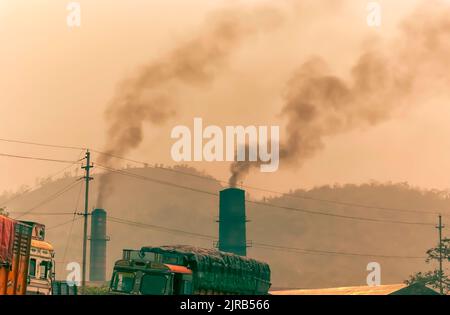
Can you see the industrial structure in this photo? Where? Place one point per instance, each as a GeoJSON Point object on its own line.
{"type": "Point", "coordinates": [232, 222]}
{"type": "Point", "coordinates": [98, 239]}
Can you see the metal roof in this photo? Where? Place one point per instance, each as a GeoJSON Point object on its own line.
{"type": "Point", "coordinates": [357, 290]}
{"type": "Point", "coordinates": [41, 245]}
{"type": "Point", "coordinates": [178, 269]}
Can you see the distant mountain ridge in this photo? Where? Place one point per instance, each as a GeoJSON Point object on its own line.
{"type": "Point", "coordinates": [162, 211]}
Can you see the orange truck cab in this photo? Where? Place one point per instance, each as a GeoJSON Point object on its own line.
{"type": "Point", "coordinates": [41, 266]}
{"type": "Point", "coordinates": [15, 243]}
{"type": "Point", "coordinates": [40, 270]}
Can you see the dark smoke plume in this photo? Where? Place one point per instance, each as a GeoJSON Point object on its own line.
{"type": "Point", "coordinates": [239, 169]}
{"type": "Point", "coordinates": [151, 96]}
{"type": "Point", "coordinates": [318, 104]}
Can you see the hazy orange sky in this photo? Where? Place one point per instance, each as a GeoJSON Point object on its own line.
{"type": "Point", "coordinates": [56, 81]}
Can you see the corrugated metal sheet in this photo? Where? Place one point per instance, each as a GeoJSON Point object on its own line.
{"type": "Point", "coordinates": [357, 290]}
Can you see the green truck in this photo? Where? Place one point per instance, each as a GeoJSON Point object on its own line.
{"type": "Point", "coordinates": [185, 270]}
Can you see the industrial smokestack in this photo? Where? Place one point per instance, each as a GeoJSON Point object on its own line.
{"type": "Point", "coordinates": [232, 221]}
{"type": "Point", "coordinates": [97, 266]}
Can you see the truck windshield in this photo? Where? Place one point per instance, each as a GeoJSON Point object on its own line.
{"type": "Point", "coordinates": [123, 282]}
{"type": "Point", "coordinates": [153, 284]}
{"type": "Point", "coordinates": [45, 269]}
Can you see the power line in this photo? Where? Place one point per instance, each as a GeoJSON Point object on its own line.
{"type": "Point", "coordinates": [198, 235]}
{"type": "Point", "coordinates": [158, 181]}
{"type": "Point", "coordinates": [160, 228]}
{"type": "Point", "coordinates": [61, 224]}
{"type": "Point", "coordinates": [323, 252]}
{"type": "Point", "coordinates": [315, 212]}
{"type": "Point", "coordinates": [36, 186]}
{"type": "Point", "coordinates": [69, 236]}
{"type": "Point", "coordinates": [42, 213]}
{"type": "Point", "coordinates": [343, 203]}
{"type": "Point", "coordinates": [138, 224]}
{"type": "Point", "coordinates": [120, 157]}
{"type": "Point", "coordinates": [43, 144]}
{"type": "Point", "coordinates": [74, 218]}
{"type": "Point", "coordinates": [50, 198]}
{"type": "Point", "coordinates": [37, 158]}
{"type": "Point", "coordinates": [349, 204]}
{"type": "Point", "coordinates": [256, 244]}
{"type": "Point", "coordinates": [54, 196]}
{"type": "Point", "coordinates": [78, 199]}
{"type": "Point", "coordinates": [306, 211]}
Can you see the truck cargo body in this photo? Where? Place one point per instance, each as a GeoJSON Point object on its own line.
{"type": "Point", "coordinates": [183, 269]}
{"type": "Point", "coordinates": [15, 242]}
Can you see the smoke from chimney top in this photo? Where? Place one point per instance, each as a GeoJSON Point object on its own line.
{"type": "Point", "coordinates": [151, 96]}
{"type": "Point", "coordinates": [318, 104]}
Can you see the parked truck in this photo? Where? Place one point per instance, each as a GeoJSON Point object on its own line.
{"type": "Point", "coordinates": [41, 264]}
{"type": "Point", "coordinates": [15, 243]}
{"type": "Point", "coordinates": [180, 270]}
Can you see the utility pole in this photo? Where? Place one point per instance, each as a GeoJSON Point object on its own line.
{"type": "Point", "coordinates": [441, 272]}
{"type": "Point", "coordinates": [85, 214]}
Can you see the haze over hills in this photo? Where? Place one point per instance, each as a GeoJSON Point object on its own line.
{"type": "Point", "coordinates": [165, 213]}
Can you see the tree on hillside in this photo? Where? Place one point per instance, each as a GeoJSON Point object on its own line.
{"type": "Point", "coordinates": [3, 212]}
{"type": "Point", "coordinates": [435, 278]}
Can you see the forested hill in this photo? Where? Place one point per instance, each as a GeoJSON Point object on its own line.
{"type": "Point", "coordinates": [322, 237]}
